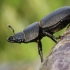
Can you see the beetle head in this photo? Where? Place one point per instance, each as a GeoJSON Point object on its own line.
{"type": "Point", "coordinates": [16, 38]}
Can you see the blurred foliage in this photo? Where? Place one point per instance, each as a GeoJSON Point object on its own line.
{"type": "Point", "coordinates": [19, 14]}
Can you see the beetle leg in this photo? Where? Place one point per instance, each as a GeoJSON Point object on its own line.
{"type": "Point", "coordinates": [59, 37]}
{"type": "Point", "coordinates": [51, 36]}
{"type": "Point", "coordinates": [40, 49]}
{"type": "Point", "coordinates": [68, 26]}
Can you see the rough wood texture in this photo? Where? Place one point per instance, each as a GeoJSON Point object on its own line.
{"type": "Point", "coordinates": [59, 58]}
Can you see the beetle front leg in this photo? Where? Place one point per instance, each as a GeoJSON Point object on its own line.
{"type": "Point", "coordinates": [40, 50]}
{"type": "Point", "coordinates": [51, 36]}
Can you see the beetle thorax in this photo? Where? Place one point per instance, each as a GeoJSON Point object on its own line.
{"type": "Point", "coordinates": [31, 32]}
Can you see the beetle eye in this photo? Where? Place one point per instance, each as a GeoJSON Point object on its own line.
{"type": "Point", "coordinates": [19, 40]}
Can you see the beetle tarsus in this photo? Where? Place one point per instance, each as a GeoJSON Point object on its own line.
{"type": "Point", "coordinates": [40, 50]}
{"type": "Point", "coordinates": [68, 26]}
{"type": "Point", "coordinates": [59, 37]}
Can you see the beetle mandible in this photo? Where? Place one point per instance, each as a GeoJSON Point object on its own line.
{"type": "Point", "coordinates": [49, 25]}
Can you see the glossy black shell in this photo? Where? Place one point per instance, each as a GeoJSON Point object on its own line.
{"type": "Point", "coordinates": [54, 17]}
{"type": "Point", "coordinates": [31, 32]}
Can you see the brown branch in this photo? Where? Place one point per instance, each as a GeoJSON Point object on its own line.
{"type": "Point", "coordinates": [59, 58]}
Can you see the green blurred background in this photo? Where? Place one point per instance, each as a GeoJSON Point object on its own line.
{"type": "Point", "coordinates": [19, 14]}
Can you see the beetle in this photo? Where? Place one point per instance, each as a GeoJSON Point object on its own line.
{"type": "Point", "coordinates": [50, 24]}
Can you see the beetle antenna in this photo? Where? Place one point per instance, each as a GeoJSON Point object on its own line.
{"type": "Point", "coordinates": [12, 29]}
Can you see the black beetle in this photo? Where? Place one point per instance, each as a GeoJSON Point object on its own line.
{"type": "Point", "coordinates": [50, 24]}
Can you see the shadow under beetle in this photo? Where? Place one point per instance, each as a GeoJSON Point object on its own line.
{"type": "Point", "coordinates": [49, 25]}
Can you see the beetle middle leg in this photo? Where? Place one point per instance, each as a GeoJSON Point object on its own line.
{"type": "Point", "coordinates": [50, 35]}
{"type": "Point", "coordinates": [40, 50]}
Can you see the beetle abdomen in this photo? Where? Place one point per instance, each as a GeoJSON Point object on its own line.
{"type": "Point", "coordinates": [55, 17]}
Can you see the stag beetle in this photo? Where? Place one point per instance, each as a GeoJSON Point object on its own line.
{"type": "Point", "coordinates": [49, 25]}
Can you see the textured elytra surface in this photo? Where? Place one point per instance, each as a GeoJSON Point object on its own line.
{"type": "Point", "coordinates": [55, 17]}
{"type": "Point", "coordinates": [59, 58]}
{"type": "Point", "coordinates": [31, 31]}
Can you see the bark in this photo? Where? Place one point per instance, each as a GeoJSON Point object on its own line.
{"type": "Point", "coordinates": [59, 58]}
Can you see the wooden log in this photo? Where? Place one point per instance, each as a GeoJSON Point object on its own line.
{"type": "Point", "coordinates": [59, 58]}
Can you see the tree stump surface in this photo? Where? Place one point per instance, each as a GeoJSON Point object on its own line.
{"type": "Point", "coordinates": [59, 57]}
